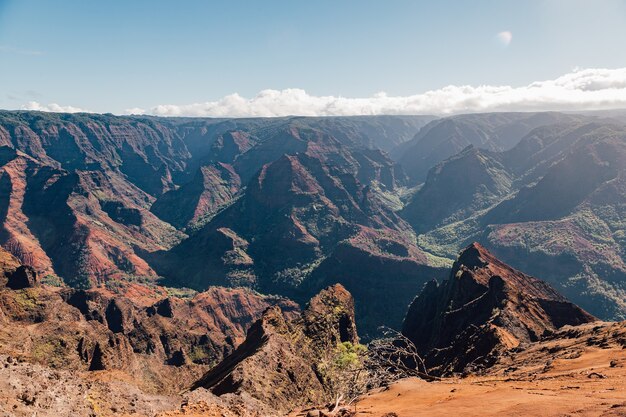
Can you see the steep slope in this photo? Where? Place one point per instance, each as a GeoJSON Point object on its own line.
{"type": "Point", "coordinates": [299, 216]}
{"type": "Point", "coordinates": [213, 187]}
{"type": "Point", "coordinates": [88, 180]}
{"type": "Point", "coordinates": [544, 146]}
{"type": "Point", "coordinates": [83, 226]}
{"type": "Point", "coordinates": [278, 362]}
{"type": "Point", "coordinates": [570, 224]}
{"type": "Point", "coordinates": [144, 150]}
{"type": "Point", "coordinates": [233, 157]}
{"type": "Point", "coordinates": [162, 342]}
{"type": "Point", "coordinates": [215, 183]}
{"type": "Point", "coordinates": [380, 132]}
{"type": "Point", "coordinates": [562, 219]}
{"type": "Point", "coordinates": [444, 138]}
{"type": "Point", "coordinates": [15, 235]}
{"type": "Point", "coordinates": [458, 187]}
{"type": "Point", "coordinates": [241, 148]}
{"type": "Point", "coordinates": [484, 309]}
{"type": "Point", "coordinates": [78, 189]}
{"type": "Point", "coordinates": [590, 163]}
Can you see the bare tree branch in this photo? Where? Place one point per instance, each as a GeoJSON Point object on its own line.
{"type": "Point", "coordinates": [394, 357]}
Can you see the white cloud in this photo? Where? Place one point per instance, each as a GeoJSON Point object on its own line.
{"type": "Point", "coordinates": [52, 107]}
{"type": "Point", "coordinates": [587, 89]}
{"type": "Point", "coordinates": [581, 89]}
{"type": "Point", "coordinates": [135, 110]}
{"type": "Point", "coordinates": [505, 37]}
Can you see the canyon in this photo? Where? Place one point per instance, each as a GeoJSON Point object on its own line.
{"type": "Point", "coordinates": [172, 266]}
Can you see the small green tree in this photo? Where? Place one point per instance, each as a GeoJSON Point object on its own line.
{"type": "Point", "coordinates": [351, 369]}
{"type": "Point", "coordinates": [343, 373]}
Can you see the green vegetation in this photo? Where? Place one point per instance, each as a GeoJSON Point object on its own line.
{"type": "Point", "coordinates": [349, 355]}
{"type": "Point", "coordinates": [295, 276]}
{"type": "Point", "coordinates": [200, 355]}
{"type": "Point", "coordinates": [50, 352]}
{"type": "Point", "coordinates": [343, 373]}
{"type": "Point", "coordinates": [52, 280]}
{"type": "Point", "coordinates": [27, 299]}
{"type": "Point", "coordinates": [181, 292]}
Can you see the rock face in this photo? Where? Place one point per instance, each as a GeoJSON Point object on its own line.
{"type": "Point", "coordinates": [483, 309]}
{"type": "Point", "coordinates": [468, 182]}
{"type": "Point", "coordinates": [329, 319]}
{"type": "Point", "coordinates": [277, 363]}
{"type": "Point", "coordinates": [14, 275]}
{"type": "Point", "coordinates": [212, 188]}
{"type": "Point", "coordinates": [301, 215]}
{"type": "Point", "coordinates": [162, 343]}
{"type": "Point", "coordinates": [552, 206]}
{"type": "Point", "coordinates": [97, 199]}
{"type": "Point", "coordinates": [23, 277]}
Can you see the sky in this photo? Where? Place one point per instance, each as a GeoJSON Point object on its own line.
{"type": "Point", "coordinates": [323, 57]}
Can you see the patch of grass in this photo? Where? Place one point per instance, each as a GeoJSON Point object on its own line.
{"type": "Point", "coordinates": [52, 280]}
{"type": "Point", "coordinates": [27, 299]}
{"type": "Point", "coordinates": [182, 292]}
{"type": "Point", "coordinates": [51, 352]}
{"type": "Point", "coordinates": [118, 286]}
{"type": "Point", "coordinates": [200, 355]}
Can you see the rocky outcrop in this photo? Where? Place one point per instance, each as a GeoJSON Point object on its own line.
{"type": "Point", "coordinates": [14, 275]}
{"type": "Point", "coordinates": [329, 319]}
{"type": "Point", "coordinates": [277, 363]}
{"type": "Point", "coordinates": [163, 344]}
{"type": "Point", "coordinates": [23, 277]}
{"type": "Point", "coordinates": [484, 308]}
{"type": "Point", "coordinates": [268, 365]}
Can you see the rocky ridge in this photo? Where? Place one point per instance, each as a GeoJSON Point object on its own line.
{"type": "Point", "coordinates": [278, 363]}
{"type": "Point", "coordinates": [161, 342]}
{"type": "Point", "coordinates": [482, 310]}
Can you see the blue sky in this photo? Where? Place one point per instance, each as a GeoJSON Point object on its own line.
{"type": "Point", "coordinates": [110, 56]}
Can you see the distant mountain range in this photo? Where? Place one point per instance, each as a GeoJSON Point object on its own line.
{"type": "Point", "coordinates": [289, 206]}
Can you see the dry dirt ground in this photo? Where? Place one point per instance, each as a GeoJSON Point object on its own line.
{"type": "Point", "coordinates": [580, 375]}
{"type": "Point", "coordinates": [31, 390]}
{"type": "Point", "coordinates": [579, 372]}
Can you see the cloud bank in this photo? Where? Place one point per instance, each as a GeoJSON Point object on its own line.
{"type": "Point", "coordinates": [588, 89]}
{"type": "Point", "coordinates": [53, 108]}
{"type": "Point", "coordinates": [578, 90]}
